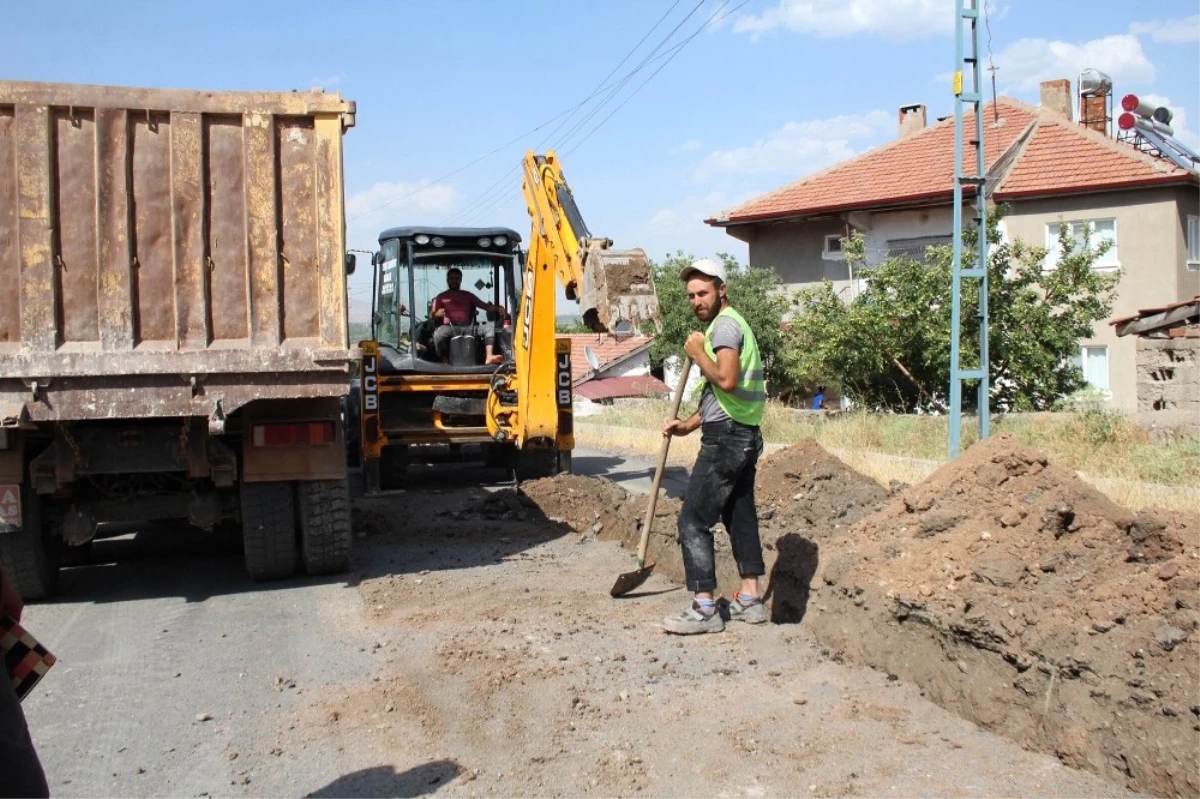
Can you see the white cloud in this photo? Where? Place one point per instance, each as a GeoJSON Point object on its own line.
{"type": "Point", "coordinates": [1027, 62]}
{"type": "Point", "coordinates": [1178, 122]}
{"type": "Point", "coordinates": [680, 226]}
{"type": "Point", "coordinates": [1175, 31]}
{"type": "Point", "coordinates": [383, 205]}
{"type": "Point", "coordinates": [892, 19]}
{"type": "Point", "coordinates": [798, 148]}
{"type": "Point", "coordinates": [328, 82]}
{"type": "Point", "coordinates": [689, 146]}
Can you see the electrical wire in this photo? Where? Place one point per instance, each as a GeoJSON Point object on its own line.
{"type": "Point", "coordinates": [567, 113]}
{"type": "Point", "coordinates": [654, 56]}
{"type": "Point", "coordinates": [711, 20]}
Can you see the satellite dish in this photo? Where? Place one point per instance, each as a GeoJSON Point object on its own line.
{"type": "Point", "coordinates": [592, 360]}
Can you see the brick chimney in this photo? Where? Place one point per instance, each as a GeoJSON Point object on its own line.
{"type": "Point", "coordinates": [1056, 97]}
{"type": "Point", "coordinates": [1093, 112]}
{"type": "Point", "coordinates": [912, 120]}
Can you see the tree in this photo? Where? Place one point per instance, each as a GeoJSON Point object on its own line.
{"type": "Point", "coordinates": [755, 293]}
{"type": "Point", "coordinates": [565, 326]}
{"type": "Point", "coordinates": [889, 348]}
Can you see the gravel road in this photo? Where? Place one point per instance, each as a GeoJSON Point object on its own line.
{"type": "Point", "coordinates": [467, 658]}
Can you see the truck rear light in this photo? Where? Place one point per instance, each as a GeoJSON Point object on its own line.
{"type": "Point", "coordinates": [294, 434]}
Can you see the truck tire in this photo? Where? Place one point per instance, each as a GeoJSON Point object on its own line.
{"type": "Point", "coordinates": [324, 509]}
{"type": "Point", "coordinates": [269, 530]}
{"type": "Point", "coordinates": [30, 555]}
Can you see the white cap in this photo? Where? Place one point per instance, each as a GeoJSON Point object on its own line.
{"type": "Point", "coordinates": [704, 266]}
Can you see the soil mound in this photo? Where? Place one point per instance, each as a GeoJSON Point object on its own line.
{"type": "Point", "coordinates": [805, 488]}
{"type": "Point", "coordinates": [1021, 598]}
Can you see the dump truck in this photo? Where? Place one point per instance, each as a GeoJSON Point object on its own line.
{"type": "Point", "coordinates": [173, 321]}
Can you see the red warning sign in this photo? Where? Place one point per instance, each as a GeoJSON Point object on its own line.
{"type": "Point", "coordinates": [10, 505]}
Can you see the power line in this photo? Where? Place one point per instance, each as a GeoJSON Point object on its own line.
{"type": "Point", "coordinates": [621, 84]}
{"type": "Point", "coordinates": [483, 206]}
{"type": "Point", "coordinates": [570, 111]}
{"type": "Point", "coordinates": [711, 20]}
{"type": "Point", "coordinates": [489, 195]}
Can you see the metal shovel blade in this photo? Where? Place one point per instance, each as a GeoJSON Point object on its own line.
{"type": "Point", "coordinates": [630, 580]}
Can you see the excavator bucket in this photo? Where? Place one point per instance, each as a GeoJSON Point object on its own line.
{"type": "Point", "coordinates": [618, 295]}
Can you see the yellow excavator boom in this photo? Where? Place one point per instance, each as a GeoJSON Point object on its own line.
{"type": "Point", "coordinates": [531, 405]}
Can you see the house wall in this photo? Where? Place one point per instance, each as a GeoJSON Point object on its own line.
{"type": "Point", "coordinates": [635, 366]}
{"type": "Point", "coordinates": [795, 250]}
{"type": "Point", "coordinates": [1151, 251]}
{"type": "Point", "coordinates": [1188, 279]}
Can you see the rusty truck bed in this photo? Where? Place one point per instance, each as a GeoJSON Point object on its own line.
{"type": "Point", "coordinates": [164, 252]}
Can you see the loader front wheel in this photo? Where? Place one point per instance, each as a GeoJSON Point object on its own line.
{"type": "Point", "coordinates": [269, 530]}
{"type": "Point", "coordinates": [324, 508]}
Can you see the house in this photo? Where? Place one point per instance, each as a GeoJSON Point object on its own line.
{"type": "Point", "coordinates": [1041, 163]}
{"type": "Point", "coordinates": [1168, 366]}
{"type": "Point", "coordinates": [624, 370]}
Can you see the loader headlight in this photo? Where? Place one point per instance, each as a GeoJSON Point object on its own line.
{"type": "Point", "coordinates": [421, 239]}
{"type": "Point", "coordinates": [485, 242]}
{"type": "Point", "coordinates": [437, 241]}
{"type": "Point", "coordinates": [500, 241]}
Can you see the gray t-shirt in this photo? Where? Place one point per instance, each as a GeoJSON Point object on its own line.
{"type": "Point", "coordinates": [725, 333]}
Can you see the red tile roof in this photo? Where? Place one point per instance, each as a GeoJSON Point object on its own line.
{"type": "Point", "coordinates": [1062, 158]}
{"type": "Point", "coordinates": [908, 170]}
{"type": "Point", "coordinates": [1051, 156]}
{"type": "Point", "coordinates": [617, 387]}
{"type": "Point", "coordinates": [608, 349]}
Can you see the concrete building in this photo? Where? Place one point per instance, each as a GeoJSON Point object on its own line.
{"type": "Point", "coordinates": [1168, 366]}
{"type": "Point", "coordinates": [1042, 164]}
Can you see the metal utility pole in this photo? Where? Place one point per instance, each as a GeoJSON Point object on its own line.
{"type": "Point", "coordinates": [967, 11]}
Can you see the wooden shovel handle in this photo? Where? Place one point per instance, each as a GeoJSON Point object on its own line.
{"type": "Point", "coordinates": [644, 544]}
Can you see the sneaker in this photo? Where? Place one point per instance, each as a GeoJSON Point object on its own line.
{"type": "Point", "coordinates": [692, 622]}
{"type": "Point", "coordinates": [754, 613]}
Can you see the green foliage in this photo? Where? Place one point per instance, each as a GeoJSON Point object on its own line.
{"type": "Point", "coordinates": [567, 327]}
{"type": "Point", "coordinates": [889, 348]}
{"type": "Point", "coordinates": [755, 293]}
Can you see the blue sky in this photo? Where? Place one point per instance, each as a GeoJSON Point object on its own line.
{"type": "Point", "coordinates": [763, 95]}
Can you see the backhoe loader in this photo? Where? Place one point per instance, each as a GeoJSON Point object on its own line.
{"type": "Point", "coordinates": [428, 386]}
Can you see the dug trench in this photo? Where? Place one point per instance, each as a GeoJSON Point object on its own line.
{"type": "Point", "coordinates": [1009, 591]}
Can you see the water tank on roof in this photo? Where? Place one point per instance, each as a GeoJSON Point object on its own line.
{"type": "Point", "coordinates": [1094, 83]}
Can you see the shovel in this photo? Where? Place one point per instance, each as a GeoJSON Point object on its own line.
{"type": "Point", "coordinates": [631, 580]}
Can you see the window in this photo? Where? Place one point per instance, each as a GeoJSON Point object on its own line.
{"type": "Point", "coordinates": [833, 247]}
{"type": "Point", "coordinates": [1099, 229]}
{"type": "Point", "coordinates": [1094, 363]}
{"type": "Point", "coordinates": [1193, 243]}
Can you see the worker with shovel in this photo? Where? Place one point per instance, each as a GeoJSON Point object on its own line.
{"type": "Point", "coordinates": [722, 480]}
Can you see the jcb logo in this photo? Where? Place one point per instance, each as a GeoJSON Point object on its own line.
{"type": "Point", "coordinates": [370, 383]}
{"type": "Point", "coordinates": [563, 384]}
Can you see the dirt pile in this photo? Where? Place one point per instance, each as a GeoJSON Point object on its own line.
{"type": "Point", "coordinates": [804, 487]}
{"type": "Point", "coordinates": [1021, 598]}
{"type": "Point", "coordinates": [801, 491]}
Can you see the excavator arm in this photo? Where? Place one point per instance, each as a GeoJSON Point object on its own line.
{"type": "Point", "coordinates": [614, 288]}
{"type": "Point", "coordinates": [530, 401]}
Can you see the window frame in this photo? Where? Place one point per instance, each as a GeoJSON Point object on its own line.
{"type": "Point", "coordinates": [832, 255]}
{"type": "Point", "coordinates": [1191, 239]}
{"type": "Point", "coordinates": [1052, 243]}
{"type": "Point", "coordinates": [1083, 365]}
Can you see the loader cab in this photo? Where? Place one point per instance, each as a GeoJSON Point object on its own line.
{"type": "Point", "coordinates": [412, 267]}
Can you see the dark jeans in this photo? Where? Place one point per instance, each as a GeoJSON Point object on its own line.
{"type": "Point", "coordinates": [443, 333]}
{"type": "Point", "coordinates": [20, 770]}
{"type": "Point", "coordinates": [722, 488]}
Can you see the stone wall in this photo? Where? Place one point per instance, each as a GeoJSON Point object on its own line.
{"type": "Point", "coordinates": [1168, 374]}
